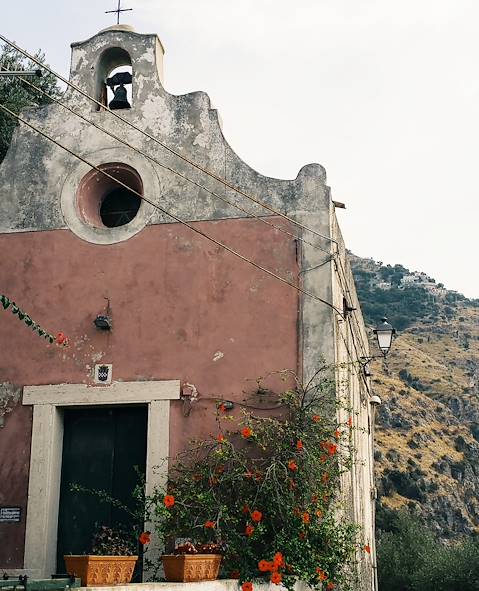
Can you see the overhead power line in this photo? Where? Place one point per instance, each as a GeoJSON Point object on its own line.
{"type": "Point", "coordinates": [166, 212]}
{"type": "Point", "coordinates": [166, 147]}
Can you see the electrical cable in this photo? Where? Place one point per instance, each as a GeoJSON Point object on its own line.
{"type": "Point", "coordinates": [171, 150]}
{"type": "Point", "coordinates": [166, 212]}
{"type": "Point", "coordinates": [166, 167]}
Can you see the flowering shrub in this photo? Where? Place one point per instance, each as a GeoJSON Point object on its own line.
{"type": "Point", "coordinates": [266, 489]}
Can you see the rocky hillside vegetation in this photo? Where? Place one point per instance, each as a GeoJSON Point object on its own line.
{"type": "Point", "coordinates": [427, 428]}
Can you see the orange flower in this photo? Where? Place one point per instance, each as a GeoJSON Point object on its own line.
{"type": "Point", "coordinates": [278, 559]}
{"type": "Point", "coordinates": [144, 538]}
{"type": "Point", "coordinates": [210, 524]}
{"type": "Point", "coordinates": [350, 421]}
{"type": "Point", "coordinates": [332, 449]}
{"type": "Point", "coordinates": [247, 586]}
{"type": "Point", "coordinates": [319, 513]}
{"type": "Point", "coordinates": [276, 578]}
{"type": "Point", "coordinates": [256, 516]}
{"type": "Point", "coordinates": [221, 438]}
{"type": "Point", "coordinates": [246, 509]}
{"type": "Point", "coordinates": [337, 434]}
{"type": "Point", "coordinates": [322, 575]}
{"type": "Point", "coordinates": [296, 511]}
{"type": "Point", "coordinates": [325, 477]}
{"type": "Point", "coordinates": [367, 548]}
{"type": "Point", "coordinates": [299, 445]}
{"type": "Point", "coordinates": [169, 501]}
{"type": "Point", "coordinates": [246, 432]}
{"type": "Point", "coordinates": [292, 465]}
{"type": "Point", "coordinates": [323, 458]}
{"type": "Point", "coordinates": [249, 530]}
{"type": "Point", "coordinates": [316, 418]}
{"type": "Point", "coordinates": [222, 407]}
{"type": "Point", "coordinates": [61, 339]}
{"type": "Point", "coordinates": [306, 518]}
{"type": "Point", "coordinates": [330, 586]}
{"type": "Point", "coordinates": [263, 566]}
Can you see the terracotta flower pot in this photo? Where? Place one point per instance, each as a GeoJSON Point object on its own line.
{"type": "Point", "coordinates": [101, 570]}
{"type": "Point", "coordinates": [185, 568]}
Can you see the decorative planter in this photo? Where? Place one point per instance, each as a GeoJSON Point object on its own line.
{"type": "Point", "coordinates": [186, 568]}
{"type": "Point", "coordinates": [101, 570]}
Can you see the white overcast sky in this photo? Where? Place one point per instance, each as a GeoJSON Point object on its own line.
{"type": "Point", "coordinates": [384, 94]}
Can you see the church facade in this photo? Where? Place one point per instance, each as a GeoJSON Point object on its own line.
{"type": "Point", "coordinates": [162, 319]}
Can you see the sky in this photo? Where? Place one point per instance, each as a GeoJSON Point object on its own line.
{"type": "Point", "coordinates": [383, 93]}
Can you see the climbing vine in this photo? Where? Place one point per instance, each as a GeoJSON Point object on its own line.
{"type": "Point", "coordinates": [60, 339]}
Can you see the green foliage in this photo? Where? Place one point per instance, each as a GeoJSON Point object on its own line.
{"type": "Point", "coordinates": [16, 95]}
{"type": "Point", "coordinates": [268, 487]}
{"type": "Point", "coordinates": [411, 558]}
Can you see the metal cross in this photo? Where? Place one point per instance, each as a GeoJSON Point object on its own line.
{"type": "Point", "coordinates": [118, 10]}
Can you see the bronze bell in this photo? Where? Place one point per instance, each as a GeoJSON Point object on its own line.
{"type": "Point", "coordinates": [120, 100]}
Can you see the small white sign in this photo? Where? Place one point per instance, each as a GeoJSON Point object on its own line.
{"type": "Point", "coordinates": [103, 372]}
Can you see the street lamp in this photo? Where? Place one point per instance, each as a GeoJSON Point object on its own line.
{"type": "Point", "coordinates": [384, 333]}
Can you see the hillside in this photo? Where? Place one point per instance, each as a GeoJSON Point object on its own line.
{"type": "Point", "coordinates": [427, 433]}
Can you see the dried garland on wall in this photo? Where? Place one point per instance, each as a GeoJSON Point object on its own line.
{"type": "Point", "coordinates": [60, 339]}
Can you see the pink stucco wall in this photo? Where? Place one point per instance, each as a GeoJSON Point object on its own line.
{"type": "Point", "coordinates": [182, 308]}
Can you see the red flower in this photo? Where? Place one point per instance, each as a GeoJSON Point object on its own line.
{"type": "Point", "coordinates": [322, 575]}
{"type": "Point", "coordinates": [264, 566]}
{"type": "Point", "coordinates": [323, 458]}
{"type": "Point", "coordinates": [302, 535]}
{"type": "Point", "coordinates": [367, 548]}
{"type": "Point", "coordinates": [246, 432]}
{"type": "Point", "coordinates": [314, 499]}
{"type": "Point", "coordinates": [246, 509]}
{"type": "Point", "coordinates": [306, 518]}
{"type": "Point", "coordinates": [222, 407]}
{"type": "Point", "coordinates": [276, 578]}
{"type": "Point", "coordinates": [337, 434]}
{"type": "Point", "coordinates": [332, 449]}
{"type": "Point", "coordinates": [292, 484]}
{"type": "Point", "coordinates": [256, 516]}
{"type": "Point", "coordinates": [247, 586]}
{"type": "Point", "coordinates": [61, 339]}
{"type": "Point", "coordinates": [210, 524]}
{"type": "Point", "coordinates": [296, 511]}
{"type": "Point", "coordinates": [299, 445]}
{"type": "Point", "coordinates": [144, 538]}
{"type": "Point", "coordinates": [292, 465]}
{"type": "Point", "coordinates": [249, 530]}
{"type": "Point", "coordinates": [221, 438]}
{"type": "Point", "coordinates": [169, 501]}
{"type": "Point", "coordinates": [330, 586]}
{"type": "Point", "coordinates": [316, 418]}
{"type": "Point", "coordinates": [325, 477]}
{"type": "Point", "coordinates": [278, 559]}
{"type": "Point", "coordinates": [350, 421]}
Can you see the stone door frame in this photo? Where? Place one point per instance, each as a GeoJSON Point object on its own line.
{"type": "Point", "coordinates": [47, 448]}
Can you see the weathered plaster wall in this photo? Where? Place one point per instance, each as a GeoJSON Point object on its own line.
{"type": "Point", "coordinates": [14, 465]}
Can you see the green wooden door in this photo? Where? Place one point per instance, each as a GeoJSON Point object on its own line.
{"type": "Point", "coordinates": [102, 449]}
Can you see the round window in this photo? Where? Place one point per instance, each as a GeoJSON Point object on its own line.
{"type": "Point", "coordinates": [103, 203]}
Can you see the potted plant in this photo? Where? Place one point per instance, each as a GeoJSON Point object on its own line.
{"type": "Point", "coordinates": [192, 562]}
{"type": "Point", "coordinates": [111, 562]}
{"type": "Point", "coordinates": [265, 488]}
